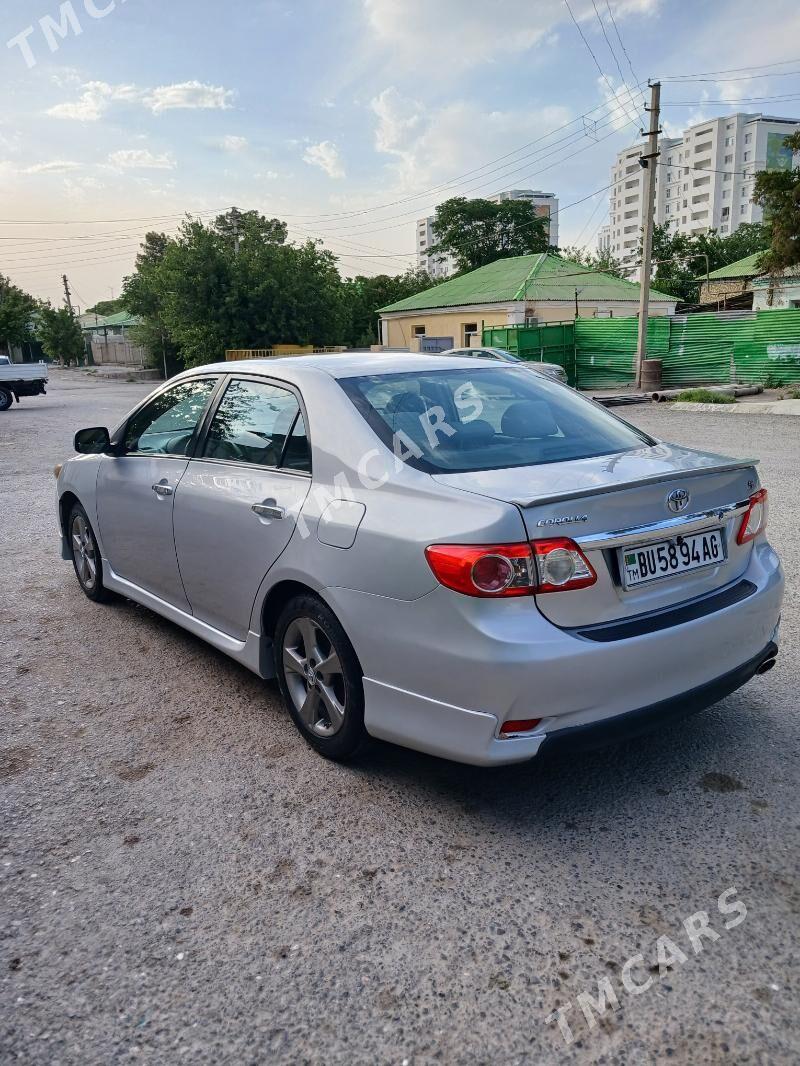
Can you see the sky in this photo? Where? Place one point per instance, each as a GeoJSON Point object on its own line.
{"type": "Point", "coordinates": [349, 119]}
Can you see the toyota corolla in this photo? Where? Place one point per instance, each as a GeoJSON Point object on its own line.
{"type": "Point", "coordinates": [466, 559]}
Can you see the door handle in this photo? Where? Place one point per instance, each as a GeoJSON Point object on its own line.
{"type": "Point", "coordinates": [266, 510]}
{"type": "Point", "coordinates": [162, 490]}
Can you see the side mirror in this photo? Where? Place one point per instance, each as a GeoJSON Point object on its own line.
{"type": "Point", "coordinates": [92, 441]}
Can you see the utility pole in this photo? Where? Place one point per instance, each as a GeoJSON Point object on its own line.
{"type": "Point", "coordinates": [649, 161]}
{"type": "Point", "coordinates": [235, 218]}
{"type": "Point", "coordinates": [67, 295]}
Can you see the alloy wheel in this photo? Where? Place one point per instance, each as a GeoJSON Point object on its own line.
{"type": "Point", "coordinates": [83, 552]}
{"type": "Point", "coordinates": [314, 677]}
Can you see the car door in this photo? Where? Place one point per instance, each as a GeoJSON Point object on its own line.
{"type": "Point", "coordinates": [136, 488]}
{"type": "Point", "coordinates": [237, 504]}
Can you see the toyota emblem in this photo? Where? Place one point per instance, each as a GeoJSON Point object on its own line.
{"type": "Point", "coordinates": [678, 500]}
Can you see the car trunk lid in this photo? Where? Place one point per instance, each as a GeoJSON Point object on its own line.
{"type": "Point", "coordinates": [615, 502]}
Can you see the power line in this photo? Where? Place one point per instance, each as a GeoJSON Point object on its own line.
{"type": "Point", "coordinates": [742, 77]}
{"type": "Point", "coordinates": [732, 70]}
{"type": "Point", "coordinates": [636, 77]}
{"type": "Point", "coordinates": [635, 121]}
{"type": "Point", "coordinates": [623, 82]}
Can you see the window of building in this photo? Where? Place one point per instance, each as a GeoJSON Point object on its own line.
{"type": "Point", "coordinates": [727, 177]}
{"type": "Point", "coordinates": [470, 330]}
{"type": "Point", "coordinates": [728, 142]}
{"type": "Point", "coordinates": [685, 186]}
{"type": "Point", "coordinates": [729, 126]}
{"type": "Point", "coordinates": [748, 138]}
{"type": "Point", "coordinates": [666, 210]}
{"type": "Point", "coordinates": [726, 193]}
{"type": "Point", "coordinates": [726, 212]}
{"type": "Point", "coordinates": [685, 170]}
{"type": "Point", "coordinates": [669, 191]}
{"type": "Point", "coordinates": [746, 157]}
{"type": "Point", "coordinates": [684, 204]}
{"type": "Point", "coordinates": [418, 331]}
{"type": "Point", "coordinates": [743, 209]}
{"type": "Point", "coordinates": [723, 228]}
{"type": "Point", "coordinates": [683, 220]}
{"type": "Point", "coordinates": [729, 158]}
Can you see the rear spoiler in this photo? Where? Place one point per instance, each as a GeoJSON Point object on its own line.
{"type": "Point", "coordinates": [654, 479]}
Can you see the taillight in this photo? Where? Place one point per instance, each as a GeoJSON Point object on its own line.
{"type": "Point", "coordinates": [754, 520]}
{"type": "Point", "coordinates": [483, 569]}
{"type": "Point", "coordinates": [495, 570]}
{"type": "Point", "coordinates": [561, 565]}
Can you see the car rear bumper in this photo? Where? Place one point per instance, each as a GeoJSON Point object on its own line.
{"type": "Point", "coordinates": [443, 672]}
{"type": "Point", "coordinates": [645, 719]}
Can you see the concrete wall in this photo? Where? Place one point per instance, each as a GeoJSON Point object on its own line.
{"type": "Point", "coordinates": [719, 288]}
{"type": "Point", "coordinates": [399, 332]}
{"type": "Point", "coordinates": [785, 294]}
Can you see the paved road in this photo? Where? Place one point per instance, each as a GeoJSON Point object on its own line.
{"type": "Point", "coordinates": [184, 881]}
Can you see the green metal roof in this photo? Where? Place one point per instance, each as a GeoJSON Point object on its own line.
{"type": "Point", "coordinates": [742, 268]}
{"type": "Point", "coordinates": [121, 318]}
{"type": "Point", "coordinates": [538, 278]}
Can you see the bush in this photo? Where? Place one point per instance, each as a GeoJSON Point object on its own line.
{"type": "Point", "coordinates": [704, 396]}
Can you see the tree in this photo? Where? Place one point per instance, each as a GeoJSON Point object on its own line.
{"type": "Point", "coordinates": [16, 310]}
{"type": "Point", "coordinates": [477, 232]}
{"type": "Point", "coordinates": [103, 308]}
{"type": "Point", "coordinates": [681, 259]}
{"type": "Point", "coordinates": [778, 193]}
{"type": "Point", "coordinates": [363, 296]}
{"type": "Point", "coordinates": [60, 334]}
{"type": "Point", "coordinates": [603, 262]}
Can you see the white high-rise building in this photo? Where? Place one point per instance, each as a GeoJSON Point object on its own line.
{"type": "Point", "coordinates": [545, 205]}
{"type": "Point", "coordinates": [704, 179]}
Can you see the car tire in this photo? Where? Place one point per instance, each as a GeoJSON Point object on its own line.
{"type": "Point", "coordinates": [6, 399]}
{"type": "Point", "coordinates": [86, 556]}
{"type": "Point", "coordinates": [320, 678]}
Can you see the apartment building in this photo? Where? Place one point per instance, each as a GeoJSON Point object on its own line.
{"type": "Point", "coordinates": [704, 179]}
{"type": "Point", "coordinates": [545, 205]}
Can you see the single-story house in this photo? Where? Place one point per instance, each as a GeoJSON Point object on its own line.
{"type": "Point", "coordinates": [533, 289]}
{"type": "Point", "coordinates": [770, 294]}
{"type": "Point", "coordinates": [110, 338]}
{"type": "Point", "coordinates": [728, 285]}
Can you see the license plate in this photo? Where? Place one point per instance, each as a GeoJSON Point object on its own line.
{"type": "Point", "coordinates": [664, 558]}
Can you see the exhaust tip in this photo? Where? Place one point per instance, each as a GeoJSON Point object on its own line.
{"type": "Point", "coordinates": [766, 666]}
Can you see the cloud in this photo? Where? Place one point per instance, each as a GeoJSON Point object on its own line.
{"type": "Point", "coordinates": [55, 166]}
{"type": "Point", "coordinates": [325, 155]}
{"type": "Point", "coordinates": [624, 105]}
{"type": "Point", "coordinates": [430, 146]}
{"type": "Point", "coordinates": [94, 101]}
{"type": "Point", "coordinates": [96, 98]}
{"type": "Point", "coordinates": [231, 143]}
{"type": "Point", "coordinates": [140, 159]}
{"type": "Point", "coordinates": [474, 31]}
{"type": "Point", "coordinates": [189, 95]}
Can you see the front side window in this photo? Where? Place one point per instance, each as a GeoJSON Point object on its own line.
{"type": "Point", "coordinates": [252, 423]}
{"type": "Point", "coordinates": [166, 425]}
{"type": "Point", "coordinates": [485, 418]}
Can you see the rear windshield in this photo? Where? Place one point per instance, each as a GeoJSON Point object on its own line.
{"type": "Point", "coordinates": [485, 418]}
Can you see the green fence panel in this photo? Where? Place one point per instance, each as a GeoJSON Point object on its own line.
{"type": "Point", "coordinates": [771, 352]}
{"type": "Point", "coordinates": [552, 343]}
{"type": "Point", "coordinates": [714, 348]}
{"type": "Point", "coordinates": [605, 349]}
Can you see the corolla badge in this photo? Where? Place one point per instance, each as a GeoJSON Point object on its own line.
{"type": "Point", "coordinates": [678, 500]}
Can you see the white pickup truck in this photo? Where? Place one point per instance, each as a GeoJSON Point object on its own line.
{"type": "Point", "coordinates": [20, 379]}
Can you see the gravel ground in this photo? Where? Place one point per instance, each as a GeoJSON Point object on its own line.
{"type": "Point", "coordinates": [183, 880]}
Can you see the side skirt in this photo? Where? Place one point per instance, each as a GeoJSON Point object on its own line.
{"type": "Point", "coordinates": [249, 652]}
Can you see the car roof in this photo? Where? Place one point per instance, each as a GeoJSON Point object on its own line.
{"type": "Point", "coordinates": [340, 364]}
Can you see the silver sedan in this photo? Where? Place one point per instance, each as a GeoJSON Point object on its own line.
{"type": "Point", "coordinates": [466, 559]}
{"type": "Point", "coordinates": [500, 355]}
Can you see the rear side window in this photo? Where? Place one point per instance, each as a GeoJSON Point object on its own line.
{"type": "Point", "coordinates": [485, 418]}
{"type": "Point", "coordinates": [252, 424]}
